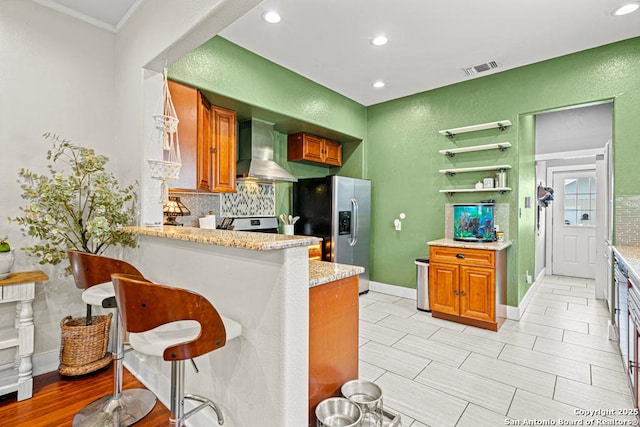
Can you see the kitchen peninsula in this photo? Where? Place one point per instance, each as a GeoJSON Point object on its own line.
{"type": "Point", "coordinates": [264, 282]}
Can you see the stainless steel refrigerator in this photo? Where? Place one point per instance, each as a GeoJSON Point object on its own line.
{"type": "Point", "coordinates": [338, 210]}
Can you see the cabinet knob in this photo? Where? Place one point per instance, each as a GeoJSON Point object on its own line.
{"type": "Point", "coordinates": [463, 293]}
{"type": "Point", "coordinates": [456, 292]}
{"type": "Point", "coordinates": [460, 256]}
{"type": "Point", "coordinates": [213, 150]}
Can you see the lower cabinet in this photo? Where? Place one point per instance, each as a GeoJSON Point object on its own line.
{"type": "Point", "coordinates": [333, 339]}
{"type": "Point", "coordinates": [467, 285]}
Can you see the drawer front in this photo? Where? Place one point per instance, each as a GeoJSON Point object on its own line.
{"type": "Point", "coordinates": [462, 256]}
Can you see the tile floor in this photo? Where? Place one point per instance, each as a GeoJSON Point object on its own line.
{"type": "Point", "coordinates": [548, 366]}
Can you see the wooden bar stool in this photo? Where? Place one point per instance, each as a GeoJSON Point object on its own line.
{"type": "Point", "coordinates": [175, 324]}
{"type": "Point", "coordinates": [124, 407]}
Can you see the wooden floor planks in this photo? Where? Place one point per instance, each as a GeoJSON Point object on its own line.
{"type": "Point", "coordinates": [56, 399]}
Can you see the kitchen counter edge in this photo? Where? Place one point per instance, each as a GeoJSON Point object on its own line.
{"type": "Point", "coordinates": [492, 246]}
{"type": "Point", "coordinates": [229, 238]}
{"type": "Point", "coordinates": [631, 258]}
{"type": "Point", "coordinates": [321, 272]}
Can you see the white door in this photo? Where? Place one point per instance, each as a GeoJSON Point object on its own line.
{"type": "Point", "coordinates": [574, 220]}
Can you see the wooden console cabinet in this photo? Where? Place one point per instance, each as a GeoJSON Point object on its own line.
{"type": "Point", "coordinates": [468, 285]}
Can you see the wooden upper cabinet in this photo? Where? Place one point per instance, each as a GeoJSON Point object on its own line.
{"type": "Point", "coordinates": [332, 153]}
{"type": "Point", "coordinates": [304, 147]}
{"type": "Point", "coordinates": [207, 137]}
{"type": "Point", "coordinates": [224, 149]}
{"type": "Point", "coordinates": [204, 151]}
{"type": "Point", "coordinates": [185, 100]}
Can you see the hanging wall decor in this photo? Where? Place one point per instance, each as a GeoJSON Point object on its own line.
{"type": "Point", "coordinates": [166, 125]}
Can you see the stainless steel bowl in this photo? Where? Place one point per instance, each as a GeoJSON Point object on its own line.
{"type": "Point", "coordinates": [367, 395]}
{"type": "Point", "coordinates": [338, 412]}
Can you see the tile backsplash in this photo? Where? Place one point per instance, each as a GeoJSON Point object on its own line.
{"type": "Point", "coordinates": [250, 199]}
{"type": "Point", "coordinates": [200, 204]}
{"type": "Point", "coordinates": [627, 220]}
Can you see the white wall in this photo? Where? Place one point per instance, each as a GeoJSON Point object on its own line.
{"type": "Point", "coordinates": [62, 75]}
{"type": "Point", "coordinates": [574, 129]}
{"type": "Point", "coordinates": [56, 74]}
{"type": "Point", "coordinates": [158, 33]}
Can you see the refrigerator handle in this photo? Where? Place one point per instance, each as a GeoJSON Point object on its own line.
{"type": "Point", "coordinates": [354, 222]}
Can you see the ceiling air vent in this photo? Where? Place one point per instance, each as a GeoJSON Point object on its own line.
{"type": "Point", "coordinates": [481, 68]}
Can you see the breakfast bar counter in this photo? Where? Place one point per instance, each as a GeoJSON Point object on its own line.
{"type": "Point", "coordinates": [263, 282]}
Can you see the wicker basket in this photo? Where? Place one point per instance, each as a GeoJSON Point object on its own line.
{"type": "Point", "coordinates": [84, 347]}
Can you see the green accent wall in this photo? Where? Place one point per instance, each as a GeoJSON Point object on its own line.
{"type": "Point", "coordinates": [396, 143]}
{"type": "Point", "coordinates": [403, 143]}
{"type": "Point", "coordinates": [227, 70]}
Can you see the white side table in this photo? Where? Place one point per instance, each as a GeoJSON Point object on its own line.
{"type": "Point", "coordinates": [19, 287]}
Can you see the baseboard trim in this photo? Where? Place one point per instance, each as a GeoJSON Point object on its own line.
{"type": "Point", "coordinates": [45, 362]}
{"type": "Point", "coordinates": [515, 313]}
{"type": "Point", "coordinates": [394, 290]}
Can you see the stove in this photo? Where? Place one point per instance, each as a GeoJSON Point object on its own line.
{"type": "Point", "coordinates": [256, 224]}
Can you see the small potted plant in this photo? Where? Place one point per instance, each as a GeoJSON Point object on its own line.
{"type": "Point", "coordinates": [6, 258]}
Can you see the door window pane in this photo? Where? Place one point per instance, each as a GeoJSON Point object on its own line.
{"type": "Point", "coordinates": [580, 201]}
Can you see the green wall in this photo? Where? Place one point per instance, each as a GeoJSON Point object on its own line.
{"type": "Point", "coordinates": [226, 69]}
{"type": "Point", "coordinates": [403, 143]}
{"type": "Point", "coordinates": [400, 139]}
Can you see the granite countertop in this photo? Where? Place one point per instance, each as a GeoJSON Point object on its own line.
{"type": "Point", "coordinates": [492, 246]}
{"type": "Point", "coordinates": [321, 272]}
{"type": "Point", "coordinates": [233, 239]}
{"type": "Point", "coordinates": [631, 258]}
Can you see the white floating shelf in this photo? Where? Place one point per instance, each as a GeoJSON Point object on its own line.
{"type": "Point", "coordinates": [475, 169]}
{"type": "Point", "coordinates": [500, 190]}
{"type": "Point", "coordinates": [497, 146]}
{"type": "Point", "coordinates": [502, 125]}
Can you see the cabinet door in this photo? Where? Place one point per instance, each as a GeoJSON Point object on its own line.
{"type": "Point", "coordinates": [204, 177]}
{"type": "Point", "coordinates": [477, 293]}
{"type": "Point", "coordinates": [332, 153]}
{"type": "Point", "coordinates": [185, 101]}
{"type": "Point", "coordinates": [312, 148]}
{"type": "Point", "coordinates": [224, 150]}
{"type": "Point", "coordinates": [443, 288]}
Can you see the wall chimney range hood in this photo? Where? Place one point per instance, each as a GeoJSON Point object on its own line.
{"type": "Point", "coordinates": [255, 156]}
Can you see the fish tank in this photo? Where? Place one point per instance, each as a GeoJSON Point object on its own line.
{"type": "Point", "coordinates": [473, 222]}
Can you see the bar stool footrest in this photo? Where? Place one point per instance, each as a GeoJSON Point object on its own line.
{"type": "Point", "coordinates": [204, 402]}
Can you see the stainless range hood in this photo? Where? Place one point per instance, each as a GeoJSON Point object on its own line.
{"type": "Point", "coordinates": [255, 157]}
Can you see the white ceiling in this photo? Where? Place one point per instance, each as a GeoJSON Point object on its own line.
{"type": "Point", "coordinates": [430, 41]}
{"type": "Point", "coordinates": [107, 14]}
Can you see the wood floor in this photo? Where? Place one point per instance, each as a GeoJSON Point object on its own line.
{"type": "Point", "coordinates": [56, 399]}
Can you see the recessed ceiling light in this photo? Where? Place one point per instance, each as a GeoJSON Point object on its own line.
{"type": "Point", "coordinates": [272, 17]}
{"type": "Point", "coordinates": [379, 41]}
{"type": "Point", "coordinates": [378, 84]}
{"type": "Point", "coordinates": [626, 9]}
